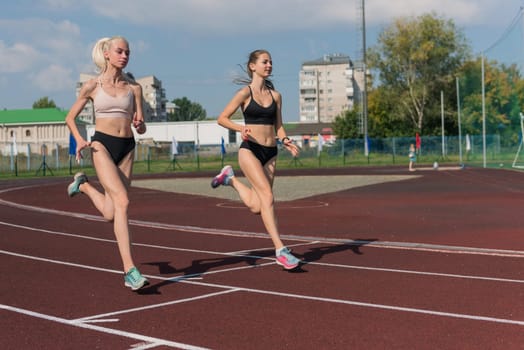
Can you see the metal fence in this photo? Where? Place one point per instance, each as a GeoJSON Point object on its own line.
{"type": "Point", "coordinates": [349, 152]}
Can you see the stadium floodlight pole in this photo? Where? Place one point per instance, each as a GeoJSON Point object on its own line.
{"type": "Point", "coordinates": [483, 112]}
{"type": "Point", "coordinates": [364, 92]}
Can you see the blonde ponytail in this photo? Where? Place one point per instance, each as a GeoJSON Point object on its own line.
{"type": "Point", "coordinates": [101, 46]}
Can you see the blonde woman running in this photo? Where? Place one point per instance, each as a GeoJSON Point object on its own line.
{"type": "Point", "coordinates": [117, 102]}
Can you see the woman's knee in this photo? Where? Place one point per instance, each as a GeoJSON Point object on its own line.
{"type": "Point", "coordinates": [255, 211]}
{"type": "Point", "coordinates": [121, 202]}
{"type": "Point", "coordinates": [265, 201]}
{"type": "Point", "coordinates": [253, 205]}
{"type": "Point", "coordinates": [109, 217]}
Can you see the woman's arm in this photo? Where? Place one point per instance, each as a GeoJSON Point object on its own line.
{"type": "Point", "coordinates": [279, 127]}
{"type": "Point", "coordinates": [84, 96]}
{"type": "Point", "coordinates": [138, 118]}
{"type": "Point", "coordinates": [224, 119]}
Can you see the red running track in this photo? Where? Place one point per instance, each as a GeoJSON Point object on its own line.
{"type": "Point", "coordinates": [430, 263]}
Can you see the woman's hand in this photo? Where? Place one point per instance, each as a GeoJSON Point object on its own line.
{"type": "Point", "coordinates": [139, 124]}
{"type": "Point", "coordinates": [79, 147]}
{"type": "Point", "coordinates": [290, 146]}
{"type": "Point", "coordinates": [244, 132]}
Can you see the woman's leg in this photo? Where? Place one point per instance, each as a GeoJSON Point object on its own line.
{"type": "Point", "coordinates": [101, 201]}
{"type": "Point", "coordinates": [115, 202]}
{"type": "Point", "coordinates": [259, 198]}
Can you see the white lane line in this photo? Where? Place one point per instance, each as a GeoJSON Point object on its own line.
{"type": "Point", "coordinates": [244, 251]}
{"type": "Point", "coordinates": [140, 337]}
{"type": "Point", "coordinates": [231, 233]}
{"type": "Point", "coordinates": [58, 233]}
{"type": "Point", "coordinates": [307, 297]}
{"type": "Point", "coordinates": [369, 305]}
{"type": "Point", "coordinates": [255, 257]}
{"type": "Point", "coordinates": [105, 320]}
{"type": "Point", "coordinates": [414, 272]}
{"type": "Point", "coordinates": [144, 346]}
{"type": "Point", "coordinates": [148, 307]}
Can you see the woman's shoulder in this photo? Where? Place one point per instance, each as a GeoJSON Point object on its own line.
{"type": "Point", "coordinates": [135, 87]}
{"type": "Point", "coordinates": [246, 89]}
{"type": "Point", "coordinates": [244, 92]}
{"type": "Point", "coordinates": [275, 93]}
{"type": "Point", "coordinates": [91, 83]}
{"type": "Point", "coordinates": [89, 86]}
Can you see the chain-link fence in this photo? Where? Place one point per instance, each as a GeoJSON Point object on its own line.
{"type": "Point", "coordinates": [158, 158]}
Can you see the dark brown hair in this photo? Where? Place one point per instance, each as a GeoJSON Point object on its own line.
{"type": "Point", "coordinates": [252, 58]}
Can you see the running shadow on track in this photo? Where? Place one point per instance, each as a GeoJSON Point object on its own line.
{"type": "Point", "coordinates": [316, 253]}
{"type": "Point", "coordinates": [201, 266]}
{"type": "Point", "coordinates": [164, 267]}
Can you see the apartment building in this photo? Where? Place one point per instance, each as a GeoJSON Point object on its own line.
{"type": "Point", "coordinates": [328, 87]}
{"type": "Point", "coordinates": [154, 99]}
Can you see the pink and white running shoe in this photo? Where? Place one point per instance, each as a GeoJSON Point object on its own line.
{"type": "Point", "coordinates": [287, 260]}
{"type": "Point", "coordinates": [224, 177]}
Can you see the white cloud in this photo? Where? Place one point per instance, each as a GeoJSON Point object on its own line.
{"type": "Point", "coordinates": [34, 53]}
{"type": "Point", "coordinates": [17, 58]}
{"type": "Point", "coordinates": [40, 32]}
{"type": "Point", "coordinates": [36, 43]}
{"type": "Point", "coordinates": [54, 78]}
{"type": "Point", "coordinates": [462, 11]}
{"type": "Point", "coordinates": [40, 48]}
{"type": "Point", "coordinates": [229, 16]}
{"type": "Point", "coordinates": [59, 4]}
{"type": "Point", "coordinates": [211, 16]}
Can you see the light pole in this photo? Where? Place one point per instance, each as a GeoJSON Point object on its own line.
{"type": "Point", "coordinates": [364, 91]}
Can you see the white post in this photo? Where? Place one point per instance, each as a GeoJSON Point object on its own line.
{"type": "Point", "coordinates": [483, 114]}
{"type": "Point", "coordinates": [442, 119]}
{"type": "Point", "coordinates": [459, 123]}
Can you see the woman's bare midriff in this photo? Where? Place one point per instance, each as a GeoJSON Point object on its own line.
{"type": "Point", "coordinates": [119, 127]}
{"type": "Point", "coordinates": [262, 134]}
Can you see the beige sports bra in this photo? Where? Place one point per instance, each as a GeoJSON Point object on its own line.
{"type": "Point", "coordinates": [107, 106]}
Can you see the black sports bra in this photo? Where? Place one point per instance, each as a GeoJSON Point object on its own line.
{"type": "Point", "coordinates": [256, 114]}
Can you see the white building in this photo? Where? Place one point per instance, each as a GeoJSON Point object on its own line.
{"type": "Point", "coordinates": [327, 88]}
{"type": "Point", "coordinates": [202, 133]}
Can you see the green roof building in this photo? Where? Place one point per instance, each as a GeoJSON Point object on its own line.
{"type": "Point", "coordinates": [33, 127]}
{"type": "Point", "coordinates": [32, 116]}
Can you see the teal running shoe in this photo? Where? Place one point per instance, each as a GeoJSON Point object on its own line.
{"type": "Point", "coordinates": [134, 279]}
{"type": "Point", "coordinates": [74, 187]}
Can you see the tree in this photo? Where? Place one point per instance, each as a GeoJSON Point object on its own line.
{"type": "Point", "coordinates": [345, 126]}
{"type": "Point", "coordinates": [383, 118]}
{"type": "Point", "coordinates": [187, 110]}
{"type": "Point", "coordinates": [416, 58]}
{"type": "Point", "coordinates": [44, 102]}
{"type": "Point", "coordinates": [503, 95]}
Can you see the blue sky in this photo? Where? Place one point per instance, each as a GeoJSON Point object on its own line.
{"type": "Point", "coordinates": [195, 47]}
